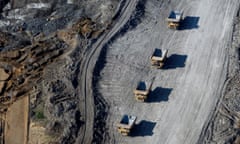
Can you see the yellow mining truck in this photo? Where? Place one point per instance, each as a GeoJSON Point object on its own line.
{"type": "Point", "coordinates": [126, 124]}
{"type": "Point", "coordinates": [142, 91]}
{"type": "Point", "coordinates": [174, 19]}
{"type": "Point", "coordinates": [158, 58]}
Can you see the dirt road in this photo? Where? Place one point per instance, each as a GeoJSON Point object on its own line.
{"type": "Point", "coordinates": [16, 124]}
{"type": "Point", "coordinates": [87, 66]}
{"type": "Point", "coordinates": [186, 91]}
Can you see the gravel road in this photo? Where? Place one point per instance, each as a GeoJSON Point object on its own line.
{"type": "Point", "coordinates": [186, 91]}
{"type": "Point", "coordinates": [87, 66]}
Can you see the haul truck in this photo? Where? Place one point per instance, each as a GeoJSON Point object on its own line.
{"type": "Point", "coordinates": [158, 58]}
{"type": "Point", "coordinates": [174, 19]}
{"type": "Point", "coordinates": [141, 92]}
{"type": "Point", "coordinates": [126, 124]}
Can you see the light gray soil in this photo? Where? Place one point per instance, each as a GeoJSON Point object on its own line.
{"type": "Point", "coordinates": [224, 126]}
{"type": "Point", "coordinates": [187, 90]}
{"type": "Point", "coordinates": [84, 94]}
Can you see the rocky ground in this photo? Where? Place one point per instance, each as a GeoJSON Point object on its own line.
{"type": "Point", "coordinates": [82, 59]}
{"type": "Point", "coordinates": [224, 126]}
{"type": "Point", "coordinates": [185, 92]}
{"type": "Point", "coordinates": [55, 105]}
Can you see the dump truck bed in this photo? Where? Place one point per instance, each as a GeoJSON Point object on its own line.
{"type": "Point", "coordinates": [127, 121]}
{"type": "Point", "coordinates": [174, 16]}
{"type": "Point", "coordinates": [159, 56]}
{"type": "Point", "coordinates": [142, 89]}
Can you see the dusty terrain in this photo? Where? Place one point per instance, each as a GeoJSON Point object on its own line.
{"type": "Point", "coordinates": [186, 91]}
{"type": "Point", "coordinates": [224, 124]}
{"type": "Point", "coordinates": [16, 126]}
{"type": "Point", "coordinates": [80, 61]}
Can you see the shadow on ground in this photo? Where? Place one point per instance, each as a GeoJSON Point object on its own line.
{"type": "Point", "coordinates": [159, 94]}
{"type": "Point", "coordinates": [144, 128]}
{"type": "Point", "coordinates": [189, 22]}
{"type": "Point", "coordinates": [175, 61]}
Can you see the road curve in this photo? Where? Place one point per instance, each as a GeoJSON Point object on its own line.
{"type": "Point", "coordinates": [86, 74]}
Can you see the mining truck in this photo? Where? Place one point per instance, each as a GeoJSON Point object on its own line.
{"type": "Point", "coordinates": [141, 92]}
{"type": "Point", "coordinates": [126, 124]}
{"type": "Point", "coordinates": [174, 19]}
{"type": "Point", "coordinates": [158, 58]}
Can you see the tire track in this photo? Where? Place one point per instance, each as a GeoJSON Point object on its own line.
{"type": "Point", "coordinates": [88, 64]}
{"type": "Point", "coordinates": [194, 83]}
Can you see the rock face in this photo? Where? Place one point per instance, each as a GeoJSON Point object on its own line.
{"type": "Point", "coordinates": [22, 3]}
{"type": "Point", "coordinates": [2, 4]}
{"type": "Point", "coordinates": [41, 50]}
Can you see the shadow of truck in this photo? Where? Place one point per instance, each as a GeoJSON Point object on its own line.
{"type": "Point", "coordinates": [189, 22]}
{"type": "Point", "coordinates": [175, 61]}
{"type": "Point", "coordinates": [159, 94]}
{"type": "Point", "coordinates": [144, 128]}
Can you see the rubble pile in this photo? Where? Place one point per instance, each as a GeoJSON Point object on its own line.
{"type": "Point", "coordinates": [20, 69]}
